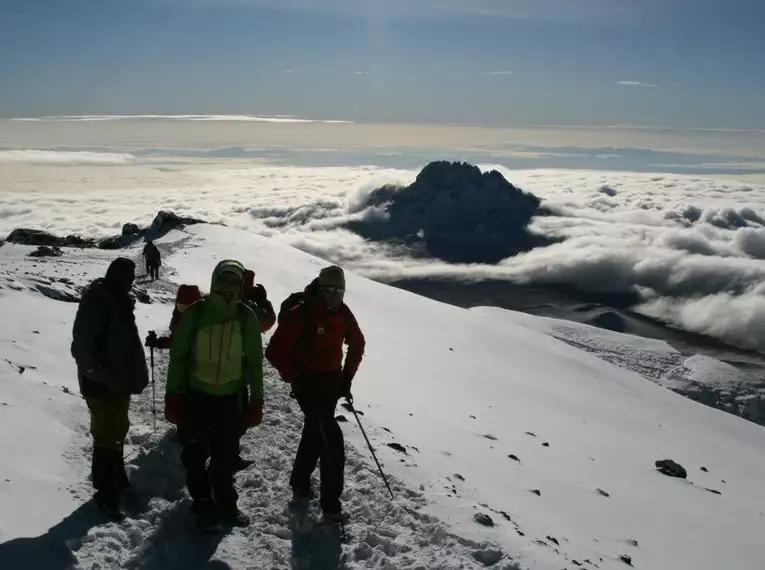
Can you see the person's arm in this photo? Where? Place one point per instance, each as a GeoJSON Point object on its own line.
{"type": "Point", "coordinates": [282, 342]}
{"type": "Point", "coordinates": [253, 351]}
{"type": "Point", "coordinates": [356, 346]}
{"type": "Point", "coordinates": [180, 351]}
{"type": "Point", "coordinates": [89, 326]}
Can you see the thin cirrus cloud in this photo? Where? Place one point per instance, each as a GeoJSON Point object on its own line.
{"type": "Point", "coordinates": [497, 73]}
{"type": "Point", "coordinates": [634, 84]}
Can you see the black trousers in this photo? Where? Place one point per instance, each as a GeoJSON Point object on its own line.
{"type": "Point", "coordinates": [152, 269]}
{"type": "Point", "coordinates": [321, 441]}
{"type": "Point", "coordinates": [211, 430]}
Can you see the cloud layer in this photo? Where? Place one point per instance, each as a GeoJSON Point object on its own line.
{"type": "Point", "coordinates": [692, 247]}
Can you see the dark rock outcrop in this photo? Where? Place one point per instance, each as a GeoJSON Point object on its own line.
{"type": "Point", "coordinates": [454, 212]}
{"type": "Point", "coordinates": [47, 251]}
{"type": "Point", "coordinates": [26, 236]}
{"type": "Point", "coordinates": [163, 222]}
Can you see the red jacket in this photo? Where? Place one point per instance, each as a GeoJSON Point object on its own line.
{"type": "Point", "coordinates": [310, 339]}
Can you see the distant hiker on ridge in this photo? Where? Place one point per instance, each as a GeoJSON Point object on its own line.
{"type": "Point", "coordinates": [307, 350]}
{"type": "Point", "coordinates": [256, 297]}
{"type": "Point", "coordinates": [216, 348]}
{"type": "Point", "coordinates": [153, 259]}
{"type": "Point", "coordinates": [111, 365]}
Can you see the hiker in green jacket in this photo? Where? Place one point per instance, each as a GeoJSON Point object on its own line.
{"type": "Point", "coordinates": [216, 346]}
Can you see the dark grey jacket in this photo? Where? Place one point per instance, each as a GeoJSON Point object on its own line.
{"type": "Point", "coordinates": [106, 345]}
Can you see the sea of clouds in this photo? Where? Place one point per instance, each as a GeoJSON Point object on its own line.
{"type": "Point", "coordinates": [692, 246]}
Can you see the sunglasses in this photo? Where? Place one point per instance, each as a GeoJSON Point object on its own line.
{"type": "Point", "coordinates": [333, 290]}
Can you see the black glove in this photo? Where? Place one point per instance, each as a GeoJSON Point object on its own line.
{"type": "Point", "coordinates": [345, 388]}
{"type": "Point", "coordinates": [151, 340]}
{"type": "Point", "coordinates": [259, 294]}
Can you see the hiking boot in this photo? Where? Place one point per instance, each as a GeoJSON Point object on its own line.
{"type": "Point", "coordinates": [241, 463]}
{"type": "Point", "coordinates": [331, 508]}
{"type": "Point", "coordinates": [234, 516]}
{"type": "Point", "coordinates": [109, 503]}
{"type": "Point", "coordinates": [207, 521]}
{"type": "Point", "coordinates": [302, 493]}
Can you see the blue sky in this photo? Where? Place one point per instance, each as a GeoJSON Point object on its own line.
{"type": "Point", "coordinates": [682, 63]}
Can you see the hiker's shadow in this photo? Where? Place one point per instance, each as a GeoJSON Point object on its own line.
{"type": "Point", "coordinates": [155, 473]}
{"type": "Point", "coordinates": [314, 548]}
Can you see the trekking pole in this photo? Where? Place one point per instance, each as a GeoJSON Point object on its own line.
{"type": "Point", "coordinates": [153, 394]}
{"type": "Point", "coordinates": [350, 405]}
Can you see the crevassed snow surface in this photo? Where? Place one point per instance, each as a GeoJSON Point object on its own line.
{"type": "Point", "coordinates": [459, 390]}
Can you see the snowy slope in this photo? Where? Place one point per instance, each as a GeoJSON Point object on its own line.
{"type": "Point", "coordinates": [460, 390]}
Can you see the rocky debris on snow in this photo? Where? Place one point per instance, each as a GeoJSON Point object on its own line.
{"type": "Point", "coordinates": [546, 444]}
{"type": "Point", "coordinates": [632, 542]}
{"type": "Point", "coordinates": [493, 215]}
{"type": "Point", "coordinates": [458, 476]}
{"type": "Point", "coordinates": [26, 236]}
{"type": "Point", "coordinates": [553, 540]}
{"type": "Point", "coordinates": [514, 457]}
{"type": "Point", "coordinates": [397, 447]}
{"type": "Point", "coordinates": [626, 559]}
{"type": "Point", "coordinates": [704, 469]}
{"type": "Point", "coordinates": [47, 251]}
{"type": "Point", "coordinates": [714, 491]}
{"type": "Point", "coordinates": [489, 436]}
{"type": "Point", "coordinates": [671, 468]}
{"type": "Point", "coordinates": [341, 418]}
{"type": "Point", "coordinates": [537, 492]}
{"type": "Point", "coordinates": [602, 492]}
{"type": "Point", "coordinates": [142, 296]}
{"type": "Point", "coordinates": [58, 293]}
{"type": "Point", "coordinates": [532, 434]}
{"type": "Point", "coordinates": [483, 519]}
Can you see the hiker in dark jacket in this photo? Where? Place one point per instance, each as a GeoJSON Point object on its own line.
{"type": "Point", "coordinates": [307, 350]}
{"type": "Point", "coordinates": [153, 260]}
{"type": "Point", "coordinates": [111, 365]}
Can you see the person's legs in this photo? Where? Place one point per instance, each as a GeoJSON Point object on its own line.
{"type": "Point", "coordinates": [195, 439]}
{"type": "Point", "coordinates": [309, 448]}
{"type": "Point", "coordinates": [332, 462]}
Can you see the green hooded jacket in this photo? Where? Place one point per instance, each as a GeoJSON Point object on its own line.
{"type": "Point", "coordinates": [210, 352]}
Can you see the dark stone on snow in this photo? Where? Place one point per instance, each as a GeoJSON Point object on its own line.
{"type": "Point", "coordinates": [532, 434]}
{"type": "Point", "coordinates": [537, 492]}
{"type": "Point", "coordinates": [142, 296]}
{"type": "Point", "coordinates": [705, 470]}
{"type": "Point", "coordinates": [602, 492]}
{"type": "Point", "coordinates": [397, 447]}
{"type": "Point", "coordinates": [713, 491]}
{"type": "Point", "coordinates": [514, 457]}
{"type": "Point", "coordinates": [458, 476]}
{"type": "Point", "coordinates": [553, 539]}
{"type": "Point", "coordinates": [671, 468]}
{"type": "Point", "coordinates": [546, 444]}
{"type": "Point", "coordinates": [626, 559]}
{"type": "Point", "coordinates": [488, 556]}
{"type": "Point", "coordinates": [489, 436]}
{"type": "Point", "coordinates": [341, 418]}
{"type": "Point", "coordinates": [46, 251]}
{"type": "Point", "coordinates": [632, 542]}
{"type": "Point", "coordinates": [483, 519]}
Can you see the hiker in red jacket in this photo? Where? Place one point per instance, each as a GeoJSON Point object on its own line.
{"type": "Point", "coordinates": [187, 295]}
{"type": "Point", "coordinates": [255, 297]}
{"type": "Point", "coordinates": [307, 350]}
